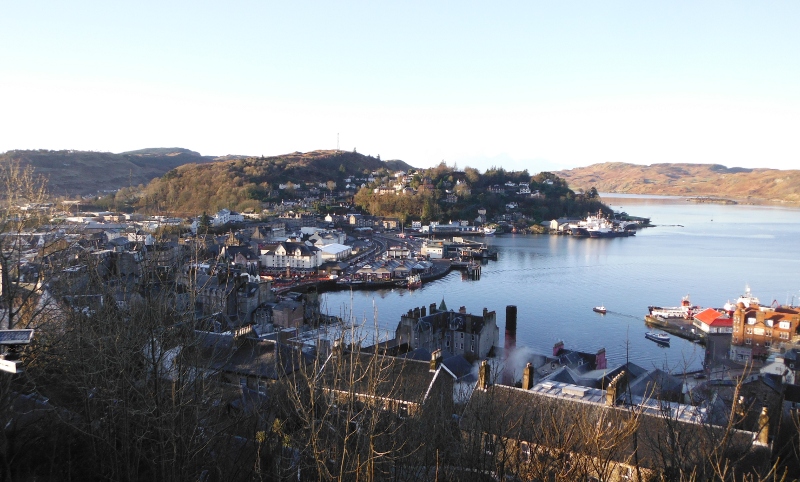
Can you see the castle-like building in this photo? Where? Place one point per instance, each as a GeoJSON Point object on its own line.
{"type": "Point", "coordinates": [453, 332]}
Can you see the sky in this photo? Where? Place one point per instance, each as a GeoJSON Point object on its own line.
{"type": "Point", "coordinates": [519, 85]}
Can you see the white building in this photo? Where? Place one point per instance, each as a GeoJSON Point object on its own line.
{"type": "Point", "coordinates": [335, 252]}
{"type": "Point", "coordinates": [292, 256]}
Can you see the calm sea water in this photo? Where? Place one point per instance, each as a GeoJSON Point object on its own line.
{"type": "Point", "coordinates": [708, 251]}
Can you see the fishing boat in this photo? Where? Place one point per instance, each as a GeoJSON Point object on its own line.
{"type": "Point", "coordinates": [661, 338]}
{"type": "Point", "coordinates": [600, 309]}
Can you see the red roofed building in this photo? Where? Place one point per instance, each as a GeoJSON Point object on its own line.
{"type": "Point", "coordinates": [712, 321]}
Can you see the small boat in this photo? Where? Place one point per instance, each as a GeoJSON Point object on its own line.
{"type": "Point", "coordinates": [414, 282]}
{"type": "Point", "coordinates": [661, 338]}
{"type": "Point", "coordinates": [599, 309]}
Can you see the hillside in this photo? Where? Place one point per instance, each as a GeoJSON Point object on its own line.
{"type": "Point", "coordinates": [754, 185]}
{"type": "Point", "coordinates": [241, 183]}
{"type": "Point", "coordinates": [87, 172]}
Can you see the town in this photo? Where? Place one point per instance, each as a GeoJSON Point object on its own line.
{"type": "Point", "coordinates": [216, 321]}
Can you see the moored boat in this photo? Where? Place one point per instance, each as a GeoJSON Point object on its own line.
{"type": "Point", "coordinates": [661, 338]}
{"type": "Point", "coordinates": [414, 282]}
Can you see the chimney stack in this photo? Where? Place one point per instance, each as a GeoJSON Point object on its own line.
{"type": "Point", "coordinates": [416, 313]}
{"type": "Point", "coordinates": [558, 347]}
{"type": "Point", "coordinates": [433, 308]}
{"type": "Point", "coordinates": [463, 310]}
{"type": "Point", "coordinates": [763, 427]}
{"type": "Point", "coordinates": [510, 344]}
{"type": "Point", "coordinates": [511, 329]}
{"type": "Point", "coordinates": [613, 388]}
{"type": "Point", "coordinates": [423, 312]}
{"type": "Point", "coordinates": [527, 377]}
{"type": "Point", "coordinates": [483, 375]}
{"type": "Point", "coordinates": [436, 359]}
{"type": "Point", "coordinates": [600, 359]}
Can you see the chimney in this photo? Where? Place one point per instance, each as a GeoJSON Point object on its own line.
{"type": "Point", "coordinates": [483, 375]}
{"type": "Point", "coordinates": [337, 349]}
{"type": "Point", "coordinates": [423, 312]}
{"type": "Point", "coordinates": [558, 347]}
{"type": "Point", "coordinates": [600, 359]}
{"type": "Point", "coordinates": [527, 377]}
{"type": "Point", "coordinates": [436, 359]}
{"type": "Point", "coordinates": [463, 310]}
{"type": "Point", "coordinates": [485, 312]}
{"type": "Point", "coordinates": [613, 388]}
{"type": "Point", "coordinates": [763, 427]}
{"type": "Point", "coordinates": [433, 308]}
{"type": "Point", "coordinates": [416, 313]}
{"type": "Point", "coordinates": [511, 329]}
{"type": "Point", "coordinates": [240, 334]}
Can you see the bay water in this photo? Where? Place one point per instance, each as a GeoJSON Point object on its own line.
{"type": "Point", "coordinates": [709, 251]}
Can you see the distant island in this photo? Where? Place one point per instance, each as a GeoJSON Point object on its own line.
{"type": "Point", "coordinates": [693, 180]}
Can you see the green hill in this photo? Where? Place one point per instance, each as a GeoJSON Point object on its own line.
{"type": "Point", "coordinates": [241, 183]}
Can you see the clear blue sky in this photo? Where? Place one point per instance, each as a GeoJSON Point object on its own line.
{"type": "Point", "coordinates": [536, 85]}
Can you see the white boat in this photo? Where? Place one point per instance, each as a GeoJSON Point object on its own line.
{"type": "Point", "coordinates": [685, 310]}
{"type": "Point", "coordinates": [413, 282]}
{"type": "Point", "coordinates": [662, 338]}
{"type": "Point", "coordinates": [600, 309]}
{"type": "Point", "coordinates": [489, 231]}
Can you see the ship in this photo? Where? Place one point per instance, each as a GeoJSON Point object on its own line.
{"type": "Point", "coordinates": [598, 226]}
{"type": "Point", "coordinates": [600, 309]}
{"type": "Point", "coordinates": [660, 338]}
{"type": "Point", "coordinates": [685, 310]}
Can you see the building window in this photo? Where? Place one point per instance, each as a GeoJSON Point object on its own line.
{"type": "Point", "coordinates": [769, 332]}
{"type": "Point", "coordinates": [462, 346]}
{"type": "Point", "coordinates": [748, 330]}
{"type": "Point", "coordinates": [472, 347]}
{"type": "Point", "coordinates": [447, 343]}
{"type": "Point", "coordinates": [488, 444]}
{"type": "Point", "coordinates": [784, 324]}
{"type": "Point", "coordinates": [748, 341]}
{"type": "Point", "coordinates": [784, 336]}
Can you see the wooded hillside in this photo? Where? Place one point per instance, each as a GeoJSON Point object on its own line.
{"type": "Point", "coordinates": [240, 184]}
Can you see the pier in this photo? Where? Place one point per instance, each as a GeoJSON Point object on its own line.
{"type": "Point", "coordinates": [679, 327]}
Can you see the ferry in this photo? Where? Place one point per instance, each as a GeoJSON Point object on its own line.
{"type": "Point", "coordinates": [598, 226]}
{"type": "Point", "coordinates": [661, 338]}
{"type": "Point", "coordinates": [600, 309]}
{"type": "Point", "coordinates": [685, 310]}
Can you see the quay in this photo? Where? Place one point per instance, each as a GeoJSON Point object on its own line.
{"type": "Point", "coordinates": [679, 327]}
